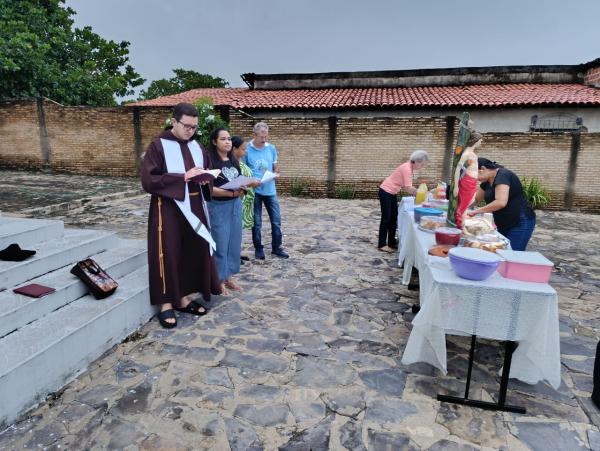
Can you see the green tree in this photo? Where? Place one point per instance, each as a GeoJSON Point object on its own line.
{"type": "Point", "coordinates": [208, 120]}
{"type": "Point", "coordinates": [184, 80]}
{"type": "Point", "coordinates": [42, 54]}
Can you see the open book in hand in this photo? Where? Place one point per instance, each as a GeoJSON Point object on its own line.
{"type": "Point", "coordinates": [207, 176]}
{"type": "Point", "coordinates": [268, 176]}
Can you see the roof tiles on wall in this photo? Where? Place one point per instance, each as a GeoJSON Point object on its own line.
{"type": "Point", "coordinates": [428, 96]}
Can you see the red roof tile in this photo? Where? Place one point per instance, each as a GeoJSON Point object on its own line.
{"type": "Point", "coordinates": [426, 96]}
{"type": "Point", "coordinates": [219, 96]}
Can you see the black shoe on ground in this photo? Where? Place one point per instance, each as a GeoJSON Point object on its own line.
{"type": "Point", "coordinates": [280, 253]}
{"type": "Point", "coordinates": [259, 254]}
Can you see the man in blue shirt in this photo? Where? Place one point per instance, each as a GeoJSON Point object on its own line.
{"type": "Point", "coordinates": [261, 156]}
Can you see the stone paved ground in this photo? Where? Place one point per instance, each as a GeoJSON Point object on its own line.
{"type": "Point", "coordinates": [39, 193]}
{"type": "Point", "coordinates": [308, 356]}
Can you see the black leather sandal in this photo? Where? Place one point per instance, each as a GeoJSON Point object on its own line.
{"type": "Point", "coordinates": [165, 315]}
{"type": "Point", "coordinates": [194, 308]}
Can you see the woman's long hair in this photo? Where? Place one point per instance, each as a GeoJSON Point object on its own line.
{"type": "Point", "coordinates": [212, 149]}
{"type": "Point", "coordinates": [489, 164]}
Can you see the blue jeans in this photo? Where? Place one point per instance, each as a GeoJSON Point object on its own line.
{"type": "Point", "coordinates": [274, 213]}
{"type": "Point", "coordinates": [226, 230]}
{"type": "Point", "coordinates": [520, 234]}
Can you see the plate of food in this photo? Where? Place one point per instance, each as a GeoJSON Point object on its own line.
{"type": "Point", "coordinates": [440, 250]}
{"type": "Point", "coordinates": [430, 223]}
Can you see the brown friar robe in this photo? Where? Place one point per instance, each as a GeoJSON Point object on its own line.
{"type": "Point", "coordinates": [178, 259]}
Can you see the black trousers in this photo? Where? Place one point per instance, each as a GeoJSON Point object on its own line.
{"type": "Point", "coordinates": [389, 218]}
{"type": "Point", "coordinates": [596, 392]}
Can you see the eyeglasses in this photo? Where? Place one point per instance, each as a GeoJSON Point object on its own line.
{"type": "Point", "coordinates": [187, 127]}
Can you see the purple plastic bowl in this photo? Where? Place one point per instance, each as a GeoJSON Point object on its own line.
{"type": "Point", "coordinates": [472, 269]}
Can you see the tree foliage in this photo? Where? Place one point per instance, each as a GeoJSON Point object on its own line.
{"type": "Point", "coordinates": [184, 80]}
{"type": "Point", "coordinates": [43, 55]}
{"type": "Point", "coordinates": [208, 120]}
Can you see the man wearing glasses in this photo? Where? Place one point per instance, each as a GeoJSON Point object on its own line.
{"type": "Point", "coordinates": [180, 246]}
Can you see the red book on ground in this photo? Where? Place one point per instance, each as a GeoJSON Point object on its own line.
{"type": "Point", "coordinates": [34, 290]}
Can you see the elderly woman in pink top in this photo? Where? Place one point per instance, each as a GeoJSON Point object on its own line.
{"type": "Point", "coordinates": [399, 180]}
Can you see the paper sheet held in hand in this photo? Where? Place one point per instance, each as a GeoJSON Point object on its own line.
{"type": "Point", "coordinates": [242, 180]}
{"type": "Point", "coordinates": [237, 183]}
{"type": "Point", "coordinates": [268, 176]}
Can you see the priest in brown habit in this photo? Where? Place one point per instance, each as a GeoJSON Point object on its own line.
{"type": "Point", "coordinates": [180, 246]}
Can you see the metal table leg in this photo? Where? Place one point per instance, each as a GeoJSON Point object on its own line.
{"type": "Point", "coordinates": [501, 405]}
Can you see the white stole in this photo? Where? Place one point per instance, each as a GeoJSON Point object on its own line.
{"type": "Point", "coordinates": [175, 165]}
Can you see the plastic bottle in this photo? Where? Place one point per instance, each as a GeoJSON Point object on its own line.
{"type": "Point", "coordinates": [441, 191]}
{"type": "Point", "coordinates": [421, 194]}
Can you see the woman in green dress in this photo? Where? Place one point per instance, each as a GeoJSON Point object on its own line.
{"type": "Point", "coordinates": [239, 150]}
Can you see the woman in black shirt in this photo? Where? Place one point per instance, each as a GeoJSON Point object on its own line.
{"type": "Point", "coordinates": [225, 210]}
{"type": "Point", "coordinates": [502, 192]}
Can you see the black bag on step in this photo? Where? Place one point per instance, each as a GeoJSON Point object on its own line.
{"type": "Point", "coordinates": [100, 284]}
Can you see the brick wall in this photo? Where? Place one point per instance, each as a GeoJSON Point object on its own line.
{"type": "Point", "coordinates": [19, 135]}
{"type": "Point", "coordinates": [587, 181]}
{"type": "Point", "coordinates": [302, 147]}
{"type": "Point", "coordinates": [90, 140]}
{"type": "Point", "coordinates": [592, 77]}
{"type": "Point", "coordinates": [369, 149]}
{"type": "Point", "coordinates": [543, 155]}
{"type": "Point", "coordinates": [83, 140]}
{"type": "Point", "coordinates": [151, 122]}
{"type": "Point", "coordinates": [101, 141]}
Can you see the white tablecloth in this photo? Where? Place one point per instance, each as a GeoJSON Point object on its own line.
{"type": "Point", "coordinates": [414, 245]}
{"type": "Point", "coordinates": [496, 308]}
{"type": "Point", "coordinates": [407, 205]}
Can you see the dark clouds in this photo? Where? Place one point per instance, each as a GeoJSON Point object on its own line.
{"type": "Point", "coordinates": [229, 37]}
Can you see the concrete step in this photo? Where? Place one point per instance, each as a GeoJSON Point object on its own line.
{"type": "Point", "coordinates": [18, 310]}
{"type": "Point", "coordinates": [46, 354]}
{"type": "Point", "coordinates": [74, 245]}
{"type": "Point", "coordinates": [26, 232]}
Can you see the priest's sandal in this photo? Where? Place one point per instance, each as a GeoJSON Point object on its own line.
{"type": "Point", "coordinates": [164, 316]}
{"type": "Point", "coordinates": [193, 308]}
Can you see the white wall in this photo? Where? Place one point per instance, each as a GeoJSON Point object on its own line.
{"type": "Point", "coordinates": [485, 120]}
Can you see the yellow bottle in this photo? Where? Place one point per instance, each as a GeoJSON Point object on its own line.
{"type": "Point", "coordinates": [421, 194]}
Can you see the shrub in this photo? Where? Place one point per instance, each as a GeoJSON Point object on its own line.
{"type": "Point", "coordinates": [535, 192]}
{"type": "Point", "coordinates": [298, 187]}
{"type": "Point", "coordinates": [208, 120]}
{"type": "Point", "coordinates": [345, 192]}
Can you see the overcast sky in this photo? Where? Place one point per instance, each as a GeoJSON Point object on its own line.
{"type": "Point", "coordinates": [227, 38]}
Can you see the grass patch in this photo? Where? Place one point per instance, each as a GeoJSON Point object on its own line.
{"type": "Point", "coordinates": [299, 187]}
{"type": "Point", "coordinates": [345, 192]}
{"type": "Point", "coordinates": [535, 192]}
